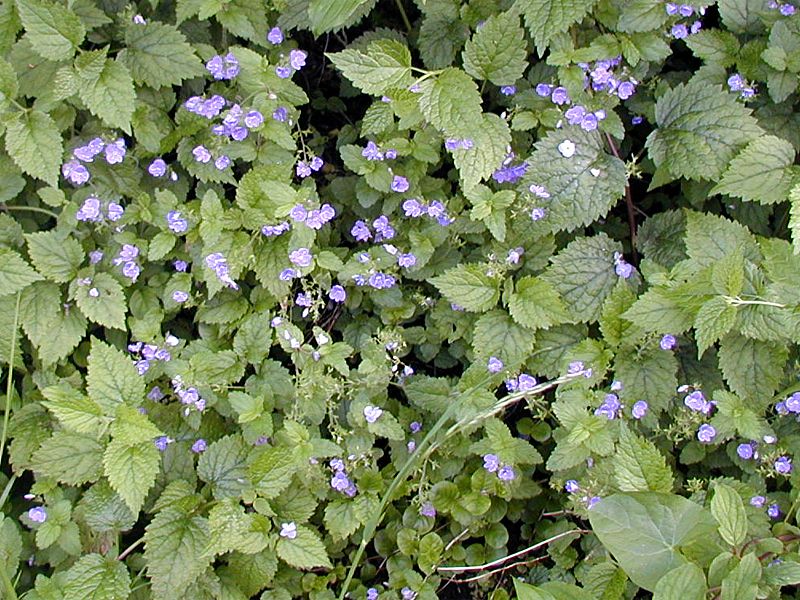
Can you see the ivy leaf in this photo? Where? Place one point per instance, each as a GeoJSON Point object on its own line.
{"type": "Point", "coordinates": [15, 273]}
{"type": "Point", "coordinates": [54, 31]}
{"type": "Point", "coordinates": [386, 64]}
{"type": "Point", "coordinates": [305, 551]}
{"type": "Point", "coordinates": [175, 543]}
{"type": "Point", "coordinates": [583, 275]}
{"type": "Point", "coordinates": [34, 143]}
{"type": "Point", "coordinates": [700, 129]}
{"type": "Point", "coordinates": [158, 55]}
{"type": "Point", "coordinates": [546, 19]}
{"type": "Point", "coordinates": [536, 304]}
{"type": "Point", "coordinates": [70, 458]}
{"type": "Point", "coordinates": [639, 466]}
{"type": "Point", "coordinates": [108, 307]}
{"type": "Point", "coordinates": [582, 187]}
{"type": "Point", "coordinates": [97, 577]}
{"type": "Point", "coordinates": [451, 103]}
{"type": "Point", "coordinates": [497, 50]}
{"type": "Point", "coordinates": [131, 470]}
{"type": "Point", "coordinates": [325, 16]}
{"type": "Point", "coordinates": [753, 369]}
{"type": "Point", "coordinates": [109, 94]}
{"type": "Point", "coordinates": [55, 255]}
{"type": "Point", "coordinates": [469, 286]}
{"type": "Point", "coordinates": [112, 379]}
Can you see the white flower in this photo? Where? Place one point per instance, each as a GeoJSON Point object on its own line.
{"type": "Point", "coordinates": [567, 149]}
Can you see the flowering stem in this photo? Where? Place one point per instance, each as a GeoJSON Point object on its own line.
{"type": "Point", "coordinates": [10, 377]}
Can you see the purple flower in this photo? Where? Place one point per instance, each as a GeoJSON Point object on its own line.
{"type": "Point", "coordinates": [427, 510]}
{"type": "Point", "coordinates": [114, 211]}
{"type": "Point", "coordinates": [275, 36]}
{"type": "Point", "coordinates": [340, 481]}
{"type": "Point", "coordinates": [696, 401]}
{"type": "Point", "coordinates": [89, 210]}
{"type": "Point", "coordinates": [297, 59]}
{"type": "Point", "coordinates": [302, 169]}
{"type": "Point", "coordinates": [37, 514]}
{"type": "Point", "coordinates": [381, 281]}
{"type": "Point", "coordinates": [787, 10]}
{"type": "Point", "coordinates": [337, 464]}
{"type": "Point", "coordinates": [155, 394]}
{"type": "Point", "coordinates": [574, 114]}
{"type": "Point", "coordinates": [625, 90]}
{"type": "Point", "coordinates": [157, 168]}
{"type": "Point", "coordinates": [571, 486]}
{"type": "Point", "coordinates": [745, 451]}
{"type": "Point", "coordinates": [415, 427]}
{"type": "Point", "coordinates": [283, 72]}
{"type": "Point", "coordinates": [399, 184]}
{"type": "Point", "coordinates": [408, 594]}
{"type": "Point", "coordinates": [406, 260]}
{"type": "Point", "coordinates": [792, 403]}
{"type": "Point", "coordinates": [372, 152]}
{"type": "Point", "coordinates": [222, 162]}
{"type": "Point", "coordinates": [253, 119]}
{"type": "Point", "coordinates": [115, 151]}
{"type": "Point", "coordinates": [201, 154]}
{"type": "Point", "coordinates": [89, 151]}
{"type": "Point", "coordinates": [526, 382]}
{"type": "Point", "coordinates": [176, 223]}
{"type": "Point", "coordinates": [672, 8]}
{"type": "Point", "coordinates": [758, 501]}
{"type": "Point", "coordinates": [508, 90]}
{"type": "Point", "coordinates": [161, 443]}
{"type": "Point", "coordinates": [506, 473]}
{"type": "Point", "coordinates": [217, 263]}
{"type": "Point", "coordinates": [610, 407]}
{"type": "Point", "coordinates": [639, 409]}
{"type": "Point", "coordinates": [495, 365]}
{"type": "Point", "coordinates": [180, 266]}
{"type": "Point", "coordinates": [589, 122]}
{"type": "Point", "coordinates": [372, 413]}
{"type": "Point", "coordinates": [679, 31]}
{"type": "Point", "coordinates": [301, 257]}
{"type": "Point", "coordinates": [316, 164]}
{"type": "Point", "coordinates": [491, 463]}
{"type": "Point", "coordinates": [706, 433]}
{"type": "Point", "coordinates": [280, 114]}
{"type": "Point", "coordinates": [560, 96]}
{"type": "Point", "coordinates": [774, 511]}
{"type": "Point", "coordinates": [510, 174]}
{"type": "Point", "coordinates": [75, 172]}
{"type": "Point", "coordinates": [590, 503]}
{"type": "Point", "coordinates": [783, 465]}
{"type": "Point", "coordinates": [337, 293]}
{"type": "Point", "coordinates": [372, 594]}
{"type": "Point", "coordinates": [131, 270]}
{"type": "Point", "coordinates": [538, 213]}
{"type": "Point", "coordinates": [199, 446]}
{"type": "Point", "coordinates": [287, 274]}
{"type": "Point", "coordinates": [685, 10]}
{"type": "Point", "coordinates": [544, 90]}
{"type": "Point", "coordinates": [668, 342]}
{"type": "Point", "coordinates": [288, 530]}
{"type": "Point", "coordinates": [95, 256]}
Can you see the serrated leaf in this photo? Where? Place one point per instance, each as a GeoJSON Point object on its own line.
{"type": "Point", "coordinates": [158, 55]}
{"type": "Point", "coordinates": [700, 129]}
{"type": "Point", "coordinates": [109, 94]}
{"type": "Point", "coordinates": [15, 273]}
{"type": "Point", "coordinates": [639, 466]}
{"type": "Point", "coordinates": [727, 508]}
{"type": "Point", "coordinates": [536, 304]}
{"type": "Point", "coordinates": [761, 172]}
{"type": "Point", "coordinates": [54, 31]}
{"type": "Point", "coordinates": [714, 319]}
{"type": "Point", "coordinates": [271, 470]}
{"type": "Point", "coordinates": [131, 427]}
{"type": "Point", "coordinates": [490, 141]}
{"type": "Point", "coordinates": [70, 458]}
{"type": "Point", "coordinates": [710, 238]}
{"type": "Point", "coordinates": [742, 582]}
{"type": "Point", "coordinates": [753, 369]}
{"type": "Point", "coordinates": [451, 103]}
{"type": "Point", "coordinates": [582, 187]}
{"type": "Point", "coordinates": [34, 143]}
{"type": "Point", "coordinates": [547, 18]}
{"type": "Point", "coordinates": [583, 275]}
{"type": "Point", "coordinates": [305, 551]}
{"type": "Point", "coordinates": [687, 582]}
{"type": "Point", "coordinates": [469, 286]}
{"type": "Point", "coordinates": [385, 64]}
{"type": "Point", "coordinates": [497, 335]}
{"type": "Point", "coordinates": [131, 470]}
{"type": "Point", "coordinates": [648, 373]}
{"type": "Point", "coordinates": [223, 466]}
{"type": "Point", "coordinates": [108, 307]}
{"type": "Point", "coordinates": [232, 529]}
{"type": "Point", "coordinates": [67, 330]}
{"type": "Point", "coordinates": [112, 379]}
{"type": "Point", "coordinates": [741, 16]}
{"type": "Point", "coordinates": [657, 312]}
{"type": "Point", "coordinates": [325, 16]}
{"type": "Point", "coordinates": [97, 577]}
{"type": "Point", "coordinates": [713, 45]}
{"type": "Point", "coordinates": [55, 255]}
{"type": "Point", "coordinates": [496, 51]}
{"type": "Point", "coordinates": [174, 551]}
{"type": "Point", "coordinates": [74, 411]}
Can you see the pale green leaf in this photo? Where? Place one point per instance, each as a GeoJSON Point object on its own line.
{"type": "Point", "coordinates": [469, 286]}
{"type": "Point", "coordinates": [496, 51]}
{"type": "Point", "coordinates": [305, 551]}
{"type": "Point", "coordinates": [536, 304]}
{"type": "Point", "coordinates": [34, 143]}
{"type": "Point", "coordinates": [451, 103]}
{"type": "Point", "coordinates": [54, 31]}
{"type": "Point", "coordinates": [158, 55]}
{"type": "Point", "coordinates": [55, 255]}
{"type": "Point", "coordinates": [727, 509]}
{"type": "Point", "coordinates": [70, 458]}
{"type": "Point", "coordinates": [325, 16]}
{"type": "Point", "coordinates": [112, 379]}
{"type": "Point", "coordinates": [109, 94]}
{"type": "Point", "coordinates": [131, 470]}
{"type": "Point", "coordinates": [74, 411]}
{"type": "Point", "coordinates": [97, 577]}
{"type": "Point", "coordinates": [714, 319]}
{"type": "Point", "coordinates": [742, 582]}
{"type": "Point", "coordinates": [271, 470]}
{"type": "Point", "coordinates": [686, 582]}
{"type": "Point", "coordinates": [794, 220]}
{"type": "Point", "coordinates": [639, 466]}
{"type": "Point", "coordinates": [15, 273]}
{"type": "Point", "coordinates": [547, 18]}
{"type": "Point", "coordinates": [108, 307]}
{"type": "Point", "coordinates": [385, 64]}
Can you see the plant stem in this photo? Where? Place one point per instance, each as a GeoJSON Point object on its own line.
{"type": "Point", "coordinates": [10, 377]}
{"type": "Point", "coordinates": [44, 211]}
{"type": "Point", "coordinates": [403, 14]}
{"type": "Point", "coordinates": [130, 548]}
{"type": "Point", "coordinates": [7, 491]}
{"type": "Point", "coordinates": [628, 203]}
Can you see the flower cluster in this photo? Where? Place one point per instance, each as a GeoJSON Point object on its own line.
{"type": "Point", "coordinates": [373, 152]}
{"type": "Point", "coordinates": [383, 230]}
{"type": "Point", "coordinates": [621, 267]}
{"type": "Point", "coordinates": [680, 31]}
{"type": "Point", "coordinates": [492, 464]}
{"type": "Point", "coordinates": [188, 396]}
{"type": "Point", "coordinates": [340, 481]}
{"type": "Point", "coordinates": [127, 258]}
{"type": "Point", "coordinates": [92, 210]}
{"type": "Point", "coordinates": [296, 61]}
{"type": "Point", "coordinates": [314, 218]}
{"type": "Point", "coordinates": [217, 263]}
{"type": "Point", "coordinates": [522, 383]}
{"type": "Point", "coordinates": [148, 353]}
{"type": "Point", "coordinates": [452, 144]}
{"type": "Point", "coordinates": [305, 168]}
{"type": "Point", "coordinates": [223, 67]}
{"type": "Point", "coordinates": [436, 210]}
{"type": "Point", "coordinates": [785, 8]}
{"type": "Point", "coordinates": [509, 173]}
{"type": "Point", "coordinates": [77, 174]}
{"type": "Point", "coordinates": [588, 121]}
{"type": "Point", "coordinates": [737, 83]}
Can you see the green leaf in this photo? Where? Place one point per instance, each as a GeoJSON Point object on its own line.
{"type": "Point", "coordinates": [55, 255]}
{"type": "Point", "coordinates": [66, 331]}
{"type": "Point", "coordinates": [74, 411]}
{"type": "Point", "coordinates": [469, 286]}
{"type": "Point", "coordinates": [753, 369]}
{"type": "Point", "coordinates": [34, 143]}
{"type": "Point", "coordinates": [131, 427]}
{"type": "Point", "coordinates": [536, 304]}
{"type": "Point", "coordinates": [325, 16]}
{"type": "Point", "coordinates": [583, 275]}
{"type": "Point", "coordinates": [175, 543]}
{"type": "Point", "coordinates": [582, 187]}
{"type": "Point", "coordinates": [223, 466]}
{"type": "Point", "coordinates": [727, 508]}
{"type": "Point", "coordinates": [132, 470]}
{"type": "Point", "coordinates": [490, 139]}
{"type": "Point", "coordinates": [710, 238]}
{"type": "Point", "coordinates": [714, 319]}
{"type": "Point", "coordinates": [552, 590]}
{"type": "Point", "coordinates": [713, 45]}
{"type": "Point", "coordinates": [700, 129]}
{"type": "Point", "coordinates": [340, 519]}
{"type": "Point", "coordinates": [639, 466]}
{"type": "Point", "coordinates": [54, 31]}
{"type": "Point", "coordinates": [109, 93]}
{"type": "Point", "coordinates": [762, 172]}
{"type": "Point", "coordinates": [15, 273]}
{"type": "Point", "coordinates": [734, 416]}
{"type": "Point", "coordinates": [108, 307]}
{"type": "Point", "coordinates": [271, 470]}
{"type": "Point", "coordinates": [648, 373]}
{"type": "Point", "coordinates": [646, 532]}
{"type": "Point", "coordinates": [657, 312]}
{"type": "Point", "coordinates": [741, 16]}
{"type": "Point", "coordinates": [687, 582]}
{"type": "Point", "coordinates": [386, 64]}
{"type": "Point", "coordinates": [742, 582]}
{"type": "Point", "coordinates": [794, 220]}
{"type": "Point", "coordinates": [451, 103]}
{"type": "Point", "coordinates": [783, 573]}
{"type": "Point", "coordinates": [70, 458]}
{"type": "Point", "coordinates": [112, 379]}
{"type": "Point", "coordinates": [546, 19]}
{"type": "Point", "coordinates": [97, 577]}
{"type": "Point", "coordinates": [641, 16]}
{"type": "Point", "coordinates": [497, 335]}
{"type": "Point", "coordinates": [158, 55]}
{"type": "Point", "coordinates": [305, 551]}
{"type": "Point", "coordinates": [232, 529]}
{"type": "Point", "coordinates": [496, 51]}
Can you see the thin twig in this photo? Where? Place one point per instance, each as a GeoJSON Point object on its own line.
{"type": "Point", "coordinates": [403, 15]}
{"type": "Point", "coordinates": [628, 203]}
{"type": "Point", "coordinates": [520, 563]}
{"type": "Point", "coordinates": [130, 548]}
{"type": "Point", "coordinates": [44, 211]}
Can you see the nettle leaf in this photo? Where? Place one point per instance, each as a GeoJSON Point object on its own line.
{"type": "Point", "coordinates": [54, 32]}
{"type": "Point", "coordinates": [327, 16]}
{"type": "Point", "coordinates": [583, 275]}
{"type": "Point", "coordinates": [15, 273]}
{"type": "Point", "coordinates": [74, 411]}
{"type": "Point", "coordinates": [174, 551]}
{"type": "Point", "coordinates": [753, 369]}
{"type": "Point", "coordinates": [639, 466]}
{"type": "Point", "coordinates": [66, 331]}
{"type": "Point", "coordinates": [641, 15]}
{"type": "Point", "coordinates": [714, 319]}
{"type": "Point", "coordinates": [710, 238]}
{"type": "Point", "coordinates": [112, 379]}
{"type": "Point", "coordinates": [271, 470]}
{"type": "Point", "coordinates": [496, 51]}
{"type": "Point", "coordinates": [712, 45]}
{"type": "Point", "coordinates": [649, 373]}
{"type": "Point", "coordinates": [98, 577]}
{"type": "Point", "coordinates": [497, 335]}
{"type": "Point", "coordinates": [224, 466]}
{"type": "Point", "coordinates": [536, 304]}
{"type": "Point", "coordinates": [70, 458]}
{"type": "Point", "coordinates": [55, 255]}
{"type": "Point", "coordinates": [762, 172]}
{"type": "Point", "coordinates": [109, 93]}
{"type": "Point", "coordinates": [131, 470]}
{"type": "Point", "coordinates": [582, 187]}
{"type": "Point", "coordinates": [742, 16]}
{"type": "Point", "coordinates": [469, 286]}
{"type": "Point", "coordinates": [108, 307]}
{"type": "Point", "coordinates": [34, 143]}
{"type": "Point", "coordinates": [451, 103]}
{"type": "Point", "coordinates": [386, 64]}
{"type": "Point", "coordinates": [158, 55]}
{"type": "Point", "coordinates": [490, 142]}
{"type": "Point", "coordinates": [305, 551]}
{"type": "Point", "coordinates": [647, 531]}
{"type": "Point", "coordinates": [700, 129]}
{"type": "Point", "coordinates": [546, 19]}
